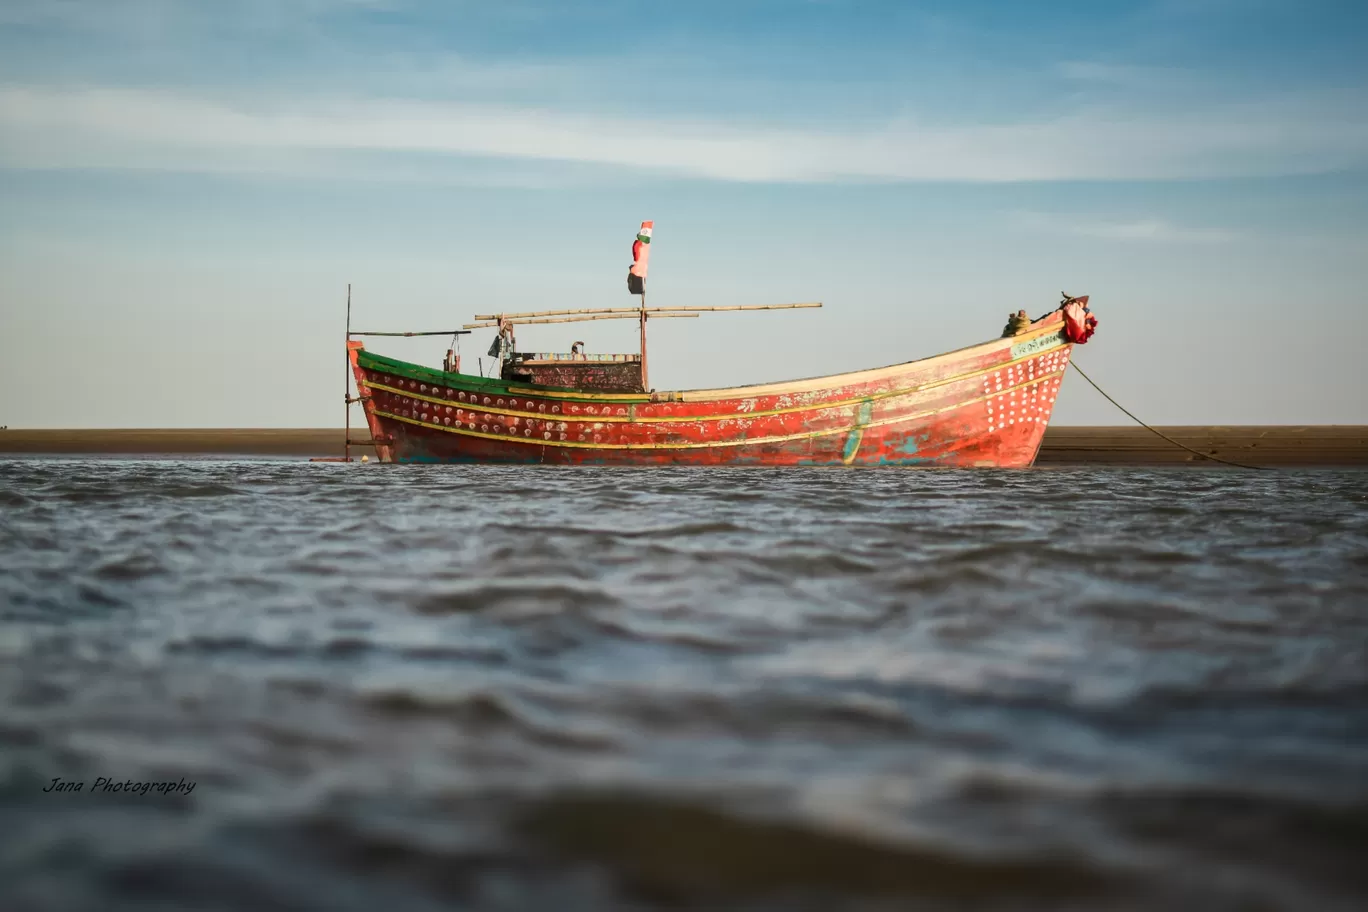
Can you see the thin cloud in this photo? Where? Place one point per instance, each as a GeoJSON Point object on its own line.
{"type": "Point", "coordinates": [1143, 229]}
{"type": "Point", "coordinates": [98, 14]}
{"type": "Point", "coordinates": [113, 127]}
{"type": "Point", "coordinates": [1127, 76]}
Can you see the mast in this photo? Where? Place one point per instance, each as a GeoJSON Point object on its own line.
{"type": "Point", "coordinates": [644, 385]}
{"type": "Point", "coordinates": [346, 389]}
{"type": "Point", "coordinates": [636, 284]}
{"type": "Point", "coordinates": [636, 281]}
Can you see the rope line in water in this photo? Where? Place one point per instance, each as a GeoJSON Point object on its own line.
{"type": "Point", "coordinates": [1238, 465]}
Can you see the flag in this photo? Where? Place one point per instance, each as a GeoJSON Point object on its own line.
{"type": "Point", "coordinates": [641, 255]}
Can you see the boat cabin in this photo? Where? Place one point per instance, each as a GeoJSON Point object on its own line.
{"type": "Point", "coordinates": [601, 373]}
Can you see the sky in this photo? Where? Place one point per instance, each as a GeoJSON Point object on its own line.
{"type": "Point", "coordinates": [188, 188]}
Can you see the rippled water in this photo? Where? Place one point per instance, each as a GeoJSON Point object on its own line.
{"type": "Point", "coordinates": [410, 688]}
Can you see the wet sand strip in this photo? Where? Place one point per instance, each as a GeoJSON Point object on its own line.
{"type": "Point", "coordinates": [1311, 445]}
{"type": "Point", "coordinates": [296, 442]}
{"type": "Point", "coordinates": [1260, 445]}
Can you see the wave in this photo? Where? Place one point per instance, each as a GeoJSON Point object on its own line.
{"type": "Point", "coordinates": [525, 600]}
{"type": "Point", "coordinates": [669, 848]}
{"type": "Point", "coordinates": [481, 714]}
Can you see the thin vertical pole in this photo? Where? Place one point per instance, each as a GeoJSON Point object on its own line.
{"type": "Point", "coordinates": [645, 384]}
{"type": "Point", "coordinates": [346, 392]}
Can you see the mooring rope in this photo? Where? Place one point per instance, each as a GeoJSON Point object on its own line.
{"type": "Point", "coordinates": [1238, 465]}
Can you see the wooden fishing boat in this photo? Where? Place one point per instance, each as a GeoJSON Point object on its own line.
{"type": "Point", "coordinates": [985, 405]}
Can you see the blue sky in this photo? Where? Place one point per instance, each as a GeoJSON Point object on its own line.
{"type": "Point", "coordinates": [187, 188]}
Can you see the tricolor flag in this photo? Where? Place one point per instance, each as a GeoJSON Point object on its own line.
{"type": "Point", "coordinates": [641, 255]}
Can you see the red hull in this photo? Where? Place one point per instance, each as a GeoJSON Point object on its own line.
{"type": "Point", "coordinates": [982, 406]}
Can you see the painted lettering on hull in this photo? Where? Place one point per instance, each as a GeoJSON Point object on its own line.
{"type": "Point", "coordinates": [1038, 344]}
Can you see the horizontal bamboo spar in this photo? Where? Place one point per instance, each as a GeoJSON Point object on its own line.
{"type": "Point", "coordinates": [634, 310]}
{"type": "Point", "coordinates": [741, 307]}
{"type": "Point", "coordinates": [626, 316]}
{"type": "Point", "coordinates": [560, 313]}
{"type": "Point", "coordinates": [445, 332]}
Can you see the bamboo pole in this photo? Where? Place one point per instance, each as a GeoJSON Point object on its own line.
{"type": "Point", "coordinates": [444, 332]}
{"type": "Point", "coordinates": [635, 314]}
{"type": "Point", "coordinates": [644, 383]}
{"type": "Point", "coordinates": [346, 391]}
{"type": "Point", "coordinates": [635, 310]}
{"type": "Point", "coordinates": [558, 313]}
{"type": "Point", "coordinates": [739, 307]}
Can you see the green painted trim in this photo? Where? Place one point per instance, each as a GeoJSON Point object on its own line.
{"type": "Point", "coordinates": [469, 383]}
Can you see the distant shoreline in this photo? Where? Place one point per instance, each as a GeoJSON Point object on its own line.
{"type": "Point", "coordinates": [1274, 445]}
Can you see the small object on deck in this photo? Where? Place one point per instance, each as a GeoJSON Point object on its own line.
{"type": "Point", "coordinates": [1017, 324]}
{"type": "Point", "coordinates": [1079, 322]}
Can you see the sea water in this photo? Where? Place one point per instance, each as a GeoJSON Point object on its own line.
{"type": "Point", "coordinates": [278, 685]}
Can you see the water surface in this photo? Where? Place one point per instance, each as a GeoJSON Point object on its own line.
{"type": "Point", "coordinates": [417, 688]}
